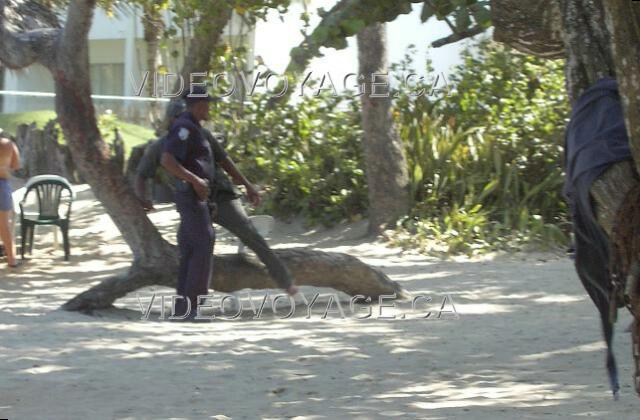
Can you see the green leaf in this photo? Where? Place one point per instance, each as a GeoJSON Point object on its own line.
{"type": "Point", "coordinates": [427, 12]}
{"type": "Point", "coordinates": [443, 8]}
{"type": "Point", "coordinates": [488, 189]}
{"type": "Point", "coordinates": [463, 20]}
{"type": "Point", "coordinates": [481, 15]}
{"type": "Point", "coordinates": [417, 174]}
{"type": "Point", "coordinates": [320, 35]}
{"type": "Point", "coordinates": [353, 26]}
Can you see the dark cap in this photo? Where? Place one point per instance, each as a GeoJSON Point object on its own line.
{"type": "Point", "coordinates": [196, 94]}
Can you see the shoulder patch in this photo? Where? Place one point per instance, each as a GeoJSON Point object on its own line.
{"type": "Point", "coordinates": [183, 134]}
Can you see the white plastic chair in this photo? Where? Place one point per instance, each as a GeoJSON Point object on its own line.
{"type": "Point", "coordinates": [19, 197]}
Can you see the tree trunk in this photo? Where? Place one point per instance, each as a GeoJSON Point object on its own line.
{"type": "Point", "coordinates": [90, 153]}
{"type": "Point", "coordinates": [41, 153]}
{"type": "Point", "coordinates": [386, 164]}
{"type": "Point", "coordinates": [623, 22]}
{"type": "Point", "coordinates": [206, 38]}
{"type": "Point", "coordinates": [588, 45]}
{"type": "Point", "coordinates": [532, 27]}
{"type": "Point", "coordinates": [153, 25]}
{"type": "Point", "coordinates": [594, 51]}
{"type": "Point", "coordinates": [207, 34]}
{"type": "Point", "coordinates": [236, 272]}
{"type": "Point", "coordinates": [572, 29]}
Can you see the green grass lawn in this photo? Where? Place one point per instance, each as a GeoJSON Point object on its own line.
{"type": "Point", "coordinates": [132, 134]}
{"type": "Point", "coordinates": [10, 122]}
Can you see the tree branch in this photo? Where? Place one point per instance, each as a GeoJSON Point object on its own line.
{"type": "Point", "coordinates": [445, 18]}
{"type": "Point", "coordinates": [533, 27]}
{"type": "Point", "coordinates": [236, 272]}
{"type": "Point", "coordinates": [74, 38]}
{"type": "Point", "coordinates": [458, 36]}
{"type": "Point", "coordinates": [207, 34]}
{"type": "Point", "coordinates": [20, 47]}
{"type": "Point", "coordinates": [345, 19]}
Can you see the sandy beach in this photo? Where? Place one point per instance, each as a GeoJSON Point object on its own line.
{"type": "Point", "coordinates": [526, 342]}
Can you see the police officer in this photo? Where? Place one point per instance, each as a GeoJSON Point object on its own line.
{"type": "Point", "coordinates": [187, 156]}
{"type": "Point", "coordinates": [230, 214]}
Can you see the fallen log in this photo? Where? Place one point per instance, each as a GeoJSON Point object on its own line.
{"type": "Point", "coordinates": [234, 272]}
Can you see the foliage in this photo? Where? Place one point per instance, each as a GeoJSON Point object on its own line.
{"type": "Point", "coordinates": [464, 13]}
{"type": "Point", "coordinates": [132, 134]}
{"type": "Point", "coordinates": [253, 9]}
{"type": "Point", "coordinates": [348, 17]}
{"type": "Point", "coordinates": [203, 10]}
{"type": "Point", "coordinates": [485, 162]}
{"type": "Point", "coordinates": [307, 156]}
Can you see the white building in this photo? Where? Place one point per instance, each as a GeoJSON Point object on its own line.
{"type": "Point", "coordinates": [116, 51]}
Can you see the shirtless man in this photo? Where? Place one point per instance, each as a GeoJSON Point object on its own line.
{"type": "Point", "coordinates": [9, 161]}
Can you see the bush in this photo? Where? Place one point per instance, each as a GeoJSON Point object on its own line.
{"type": "Point", "coordinates": [485, 162]}
{"type": "Point", "coordinates": [307, 156]}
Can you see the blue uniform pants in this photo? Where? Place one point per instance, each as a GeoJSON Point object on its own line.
{"type": "Point", "coordinates": [196, 238]}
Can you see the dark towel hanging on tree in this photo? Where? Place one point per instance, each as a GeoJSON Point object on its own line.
{"type": "Point", "coordinates": [596, 138]}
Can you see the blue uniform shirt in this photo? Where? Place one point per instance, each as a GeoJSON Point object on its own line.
{"type": "Point", "coordinates": [190, 147]}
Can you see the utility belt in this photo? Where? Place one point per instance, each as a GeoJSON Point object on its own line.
{"type": "Point", "coordinates": [216, 192]}
{"type": "Point", "coordinates": [186, 187]}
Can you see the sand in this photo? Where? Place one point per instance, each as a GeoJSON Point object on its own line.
{"type": "Point", "coordinates": [526, 342]}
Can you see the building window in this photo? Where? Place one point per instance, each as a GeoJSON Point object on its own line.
{"type": "Point", "coordinates": [107, 79]}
